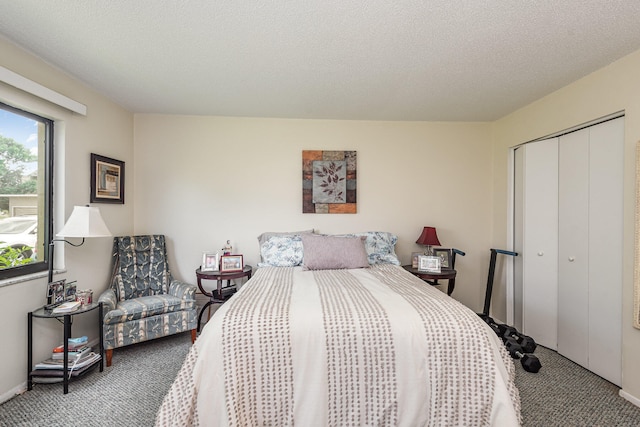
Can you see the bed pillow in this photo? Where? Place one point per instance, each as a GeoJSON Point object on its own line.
{"type": "Point", "coordinates": [333, 252]}
{"type": "Point", "coordinates": [262, 239]}
{"type": "Point", "coordinates": [380, 247]}
{"type": "Point", "coordinates": [281, 251]}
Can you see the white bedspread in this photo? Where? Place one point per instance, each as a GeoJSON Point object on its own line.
{"type": "Point", "coordinates": [365, 347]}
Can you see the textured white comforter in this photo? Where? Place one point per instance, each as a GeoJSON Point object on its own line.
{"type": "Point", "coordinates": [365, 347]}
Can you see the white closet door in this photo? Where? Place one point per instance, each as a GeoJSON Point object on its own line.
{"type": "Point", "coordinates": [606, 144]}
{"type": "Point", "coordinates": [573, 248]}
{"type": "Point", "coordinates": [540, 242]}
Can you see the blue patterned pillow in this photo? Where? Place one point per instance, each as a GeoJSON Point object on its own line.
{"type": "Point", "coordinates": [380, 247]}
{"type": "Point", "coordinates": [281, 251]}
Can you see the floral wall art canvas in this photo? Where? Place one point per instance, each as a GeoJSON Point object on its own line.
{"type": "Point", "coordinates": [329, 181]}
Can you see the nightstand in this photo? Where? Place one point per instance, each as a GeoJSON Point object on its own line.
{"type": "Point", "coordinates": [432, 277]}
{"type": "Point", "coordinates": [67, 320]}
{"type": "Point", "coordinates": [220, 294]}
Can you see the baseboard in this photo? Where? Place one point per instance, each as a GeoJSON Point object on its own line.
{"type": "Point", "coordinates": [19, 389]}
{"type": "Point", "coordinates": [629, 397]}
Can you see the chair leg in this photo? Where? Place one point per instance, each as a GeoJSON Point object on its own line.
{"type": "Point", "coordinates": [193, 336]}
{"type": "Point", "coordinates": [109, 354]}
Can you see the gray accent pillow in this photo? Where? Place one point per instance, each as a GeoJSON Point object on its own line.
{"type": "Point", "coordinates": [331, 252]}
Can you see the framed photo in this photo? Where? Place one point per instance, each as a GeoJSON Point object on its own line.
{"type": "Point", "coordinates": [55, 293]}
{"type": "Point", "coordinates": [107, 180]}
{"type": "Point", "coordinates": [414, 259]}
{"type": "Point", "coordinates": [210, 261]}
{"type": "Point", "coordinates": [445, 257]}
{"type": "Point", "coordinates": [231, 263]}
{"type": "Point", "coordinates": [70, 291]}
{"type": "Point", "coordinates": [429, 263]}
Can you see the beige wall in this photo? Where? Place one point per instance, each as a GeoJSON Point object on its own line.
{"type": "Point", "coordinates": [108, 130]}
{"type": "Point", "coordinates": [611, 89]}
{"type": "Point", "coordinates": [203, 180]}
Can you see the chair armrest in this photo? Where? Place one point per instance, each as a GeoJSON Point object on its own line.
{"type": "Point", "coordinates": [108, 300]}
{"type": "Point", "coordinates": [182, 290]}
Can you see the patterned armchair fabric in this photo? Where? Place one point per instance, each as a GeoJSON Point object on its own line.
{"type": "Point", "coordinates": [143, 301]}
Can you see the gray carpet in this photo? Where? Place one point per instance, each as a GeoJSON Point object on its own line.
{"type": "Point", "coordinates": [130, 392]}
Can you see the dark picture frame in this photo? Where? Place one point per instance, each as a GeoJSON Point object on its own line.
{"type": "Point", "coordinates": [329, 182]}
{"type": "Point", "coordinates": [230, 263]}
{"type": "Point", "coordinates": [70, 291]}
{"type": "Point", "coordinates": [55, 293]}
{"type": "Point", "coordinates": [107, 180]}
{"type": "Point", "coordinates": [445, 257]}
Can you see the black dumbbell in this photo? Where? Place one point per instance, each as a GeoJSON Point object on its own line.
{"type": "Point", "coordinates": [509, 332]}
{"type": "Point", "coordinates": [489, 321]}
{"type": "Point", "coordinates": [529, 362]}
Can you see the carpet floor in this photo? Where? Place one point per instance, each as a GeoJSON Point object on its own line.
{"type": "Point", "coordinates": [131, 390]}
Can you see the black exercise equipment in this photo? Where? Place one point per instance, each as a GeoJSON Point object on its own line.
{"type": "Point", "coordinates": [518, 345]}
{"type": "Point", "coordinates": [529, 362]}
{"type": "Point", "coordinates": [492, 270]}
{"type": "Point", "coordinates": [527, 343]}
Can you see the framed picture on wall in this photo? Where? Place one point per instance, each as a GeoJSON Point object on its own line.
{"type": "Point", "coordinates": [107, 180]}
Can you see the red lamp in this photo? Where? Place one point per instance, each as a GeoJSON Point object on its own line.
{"type": "Point", "coordinates": [428, 238]}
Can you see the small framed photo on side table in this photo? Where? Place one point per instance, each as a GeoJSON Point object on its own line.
{"type": "Point", "coordinates": [230, 263]}
{"type": "Point", "coordinates": [414, 258]}
{"type": "Point", "coordinates": [55, 293]}
{"type": "Point", "coordinates": [429, 264]}
{"type": "Point", "coordinates": [445, 257]}
{"type": "Point", "coordinates": [210, 261]}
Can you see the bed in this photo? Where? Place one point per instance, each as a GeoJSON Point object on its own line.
{"type": "Point", "coordinates": [365, 346]}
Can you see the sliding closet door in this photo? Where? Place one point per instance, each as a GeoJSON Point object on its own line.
{"type": "Point", "coordinates": [573, 248]}
{"type": "Point", "coordinates": [539, 248]}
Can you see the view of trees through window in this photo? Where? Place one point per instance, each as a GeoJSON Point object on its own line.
{"type": "Point", "coordinates": [24, 185]}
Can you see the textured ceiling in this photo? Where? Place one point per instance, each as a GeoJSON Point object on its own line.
{"type": "Point", "coordinates": [471, 60]}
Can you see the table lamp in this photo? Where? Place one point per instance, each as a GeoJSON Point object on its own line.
{"type": "Point", "coordinates": [428, 238]}
{"type": "Point", "coordinates": [85, 221]}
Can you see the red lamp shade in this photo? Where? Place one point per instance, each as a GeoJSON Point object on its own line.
{"type": "Point", "coordinates": [429, 237]}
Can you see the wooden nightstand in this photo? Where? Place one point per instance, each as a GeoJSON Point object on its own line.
{"type": "Point", "coordinates": [219, 294]}
{"type": "Point", "coordinates": [433, 277]}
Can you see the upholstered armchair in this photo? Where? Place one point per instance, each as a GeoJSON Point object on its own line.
{"type": "Point", "coordinates": [143, 301]}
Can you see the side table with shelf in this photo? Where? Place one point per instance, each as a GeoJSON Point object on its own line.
{"type": "Point", "coordinates": [432, 277]}
{"type": "Point", "coordinates": [220, 293]}
{"type": "Point", "coordinates": [43, 313]}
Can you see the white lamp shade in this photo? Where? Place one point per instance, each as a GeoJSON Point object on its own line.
{"type": "Point", "coordinates": [85, 221]}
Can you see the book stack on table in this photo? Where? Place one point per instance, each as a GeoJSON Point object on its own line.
{"type": "Point", "coordinates": [66, 307]}
{"type": "Point", "coordinates": [80, 359]}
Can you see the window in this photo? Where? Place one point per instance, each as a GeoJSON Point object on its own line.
{"type": "Point", "coordinates": [26, 171]}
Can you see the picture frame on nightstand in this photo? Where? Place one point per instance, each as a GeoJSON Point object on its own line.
{"type": "Point", "coordinates": [229, 263]}
{"type": "Point", "coordinates": [414, 258]}
{"type": "Point", "coordinates": [429, 263]}
{"type": "Point", "coordinates": [210, 261]}
{"type": "Point", "coordinates": [445, 257]}
{"type": "Point", "coordinates": [55, 293]}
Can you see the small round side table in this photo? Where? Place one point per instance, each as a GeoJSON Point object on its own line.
{"type": "Point", "coordinates": [220, 294]}
{"type": "Point", "coordinates": [432, 277]}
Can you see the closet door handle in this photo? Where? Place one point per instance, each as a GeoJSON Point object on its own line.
{"type": "Point", "coordinates": [571, 259]}
{"type": "Point", "coordinates": [540, 253]}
